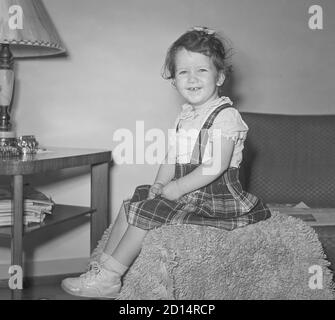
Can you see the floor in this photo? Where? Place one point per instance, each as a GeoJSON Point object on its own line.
{"type": "Point", "coordinates": [40, 292]}
{"type": "Point", "coordinates": [42, 288]}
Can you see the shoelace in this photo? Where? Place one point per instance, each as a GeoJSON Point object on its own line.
{"type": "Point", "coordinates": [94, 270]}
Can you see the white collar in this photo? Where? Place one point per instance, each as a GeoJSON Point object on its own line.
{"type": "Point", "coordinates": [189, 112]}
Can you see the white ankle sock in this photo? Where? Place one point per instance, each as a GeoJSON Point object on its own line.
{"type": "Point", "coordinates": [112, 264]}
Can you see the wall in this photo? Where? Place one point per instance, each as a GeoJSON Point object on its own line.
{"type": "Point", "coordinates": [111, 79]}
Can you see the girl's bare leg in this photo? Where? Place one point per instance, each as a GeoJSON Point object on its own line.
{"type": "Point", "coordinates": [130, 245]}
{"type": "Point", "coordinates": [121, 249]}
{"type": "Point", "coordinates": [119, 228]}
{"type": "Point", "coordinates": [125, 241]}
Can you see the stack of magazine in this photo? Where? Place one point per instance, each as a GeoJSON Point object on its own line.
{"type": "Point", "coordinates": [36, 206]}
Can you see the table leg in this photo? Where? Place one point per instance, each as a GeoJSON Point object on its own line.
{"type": "Point", "coordinates": [17, 230]}
{"type": "Point", "coordinates": [99, 201]}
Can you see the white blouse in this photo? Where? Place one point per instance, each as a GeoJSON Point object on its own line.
{"type": "Point", "coordinates": [228, 124]}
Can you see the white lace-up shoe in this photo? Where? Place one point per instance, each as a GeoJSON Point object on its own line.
{"type": "Point", "coordinates": [98, 282]}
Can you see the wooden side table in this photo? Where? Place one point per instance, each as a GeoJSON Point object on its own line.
{"type": "Point", "coordinates": [56, 159]}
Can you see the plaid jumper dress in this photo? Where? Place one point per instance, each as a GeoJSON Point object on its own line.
{"type": "Point", "coordinates": [222, 203]}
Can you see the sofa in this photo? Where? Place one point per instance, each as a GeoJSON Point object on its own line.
{"type": "Point", "coordinates": [289, 159]}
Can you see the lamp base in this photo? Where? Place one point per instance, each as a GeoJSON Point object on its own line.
{"type": "Point", "coordinates": [7, 134]}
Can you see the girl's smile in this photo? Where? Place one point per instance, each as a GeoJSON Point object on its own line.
{"type": "Point", "coordinates": [196, 77]}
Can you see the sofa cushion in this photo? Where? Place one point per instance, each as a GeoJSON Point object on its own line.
{"type": "Point", "coordinates": [290, 158]}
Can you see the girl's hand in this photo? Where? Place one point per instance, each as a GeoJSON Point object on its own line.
{"type": "Point", "coordinates": [155, 190]}
{"type": "Point", "coordinates": [171, 191]}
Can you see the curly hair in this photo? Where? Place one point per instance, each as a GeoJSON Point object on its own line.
{"type": "Point", "coordinates": [200, 40]}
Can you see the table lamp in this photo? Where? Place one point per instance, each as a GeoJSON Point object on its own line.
{"type": "Point", "coordinates": [26, 30]}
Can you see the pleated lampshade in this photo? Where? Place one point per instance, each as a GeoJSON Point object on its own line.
{"type": "Point", "coordinates": [26, 26]}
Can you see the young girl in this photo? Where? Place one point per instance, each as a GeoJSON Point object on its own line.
{"type": "Point", "coordinates": [198, 181]}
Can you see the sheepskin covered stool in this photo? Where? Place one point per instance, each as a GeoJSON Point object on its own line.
{"type": "Point", "coordinates": [268, 260]}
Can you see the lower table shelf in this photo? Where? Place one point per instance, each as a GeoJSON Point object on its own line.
{"type": "Point", "coordinates": [59, 214]}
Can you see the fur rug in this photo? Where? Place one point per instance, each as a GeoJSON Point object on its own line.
{"type": "Point", "coordinates": [267, 260]}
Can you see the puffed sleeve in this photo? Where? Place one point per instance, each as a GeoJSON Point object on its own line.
{"type": "Point", "coordinates": [228, 124]}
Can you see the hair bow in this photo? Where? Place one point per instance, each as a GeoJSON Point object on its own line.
{"type": "Point", "coordinates": [203, 29]}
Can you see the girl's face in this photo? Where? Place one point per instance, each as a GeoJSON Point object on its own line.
{"type": "Point", "coordinates": [196, 77]}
